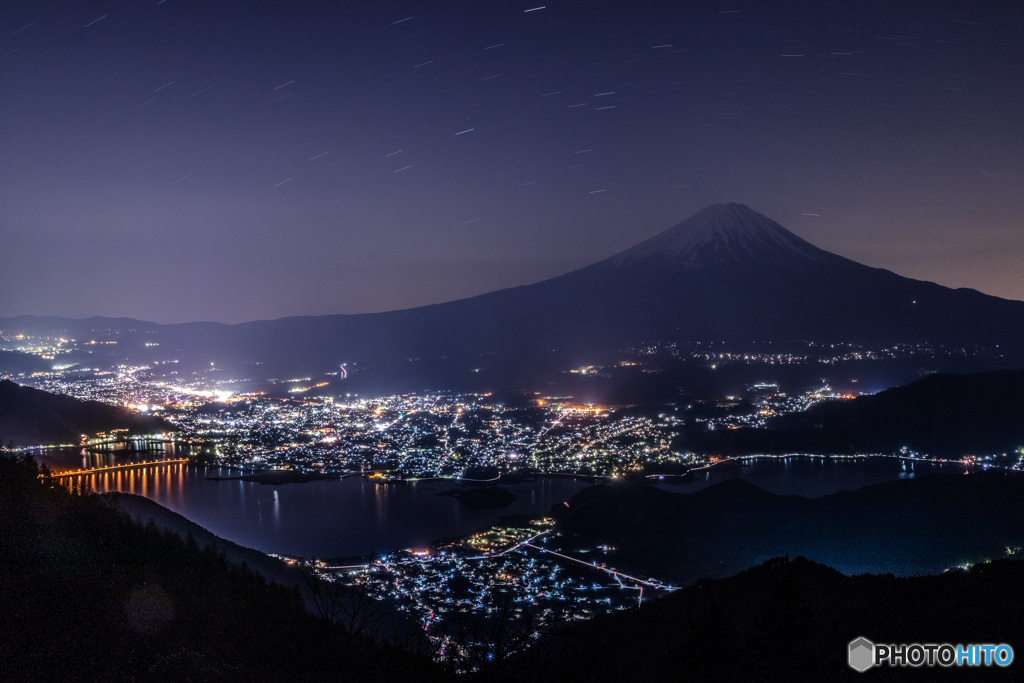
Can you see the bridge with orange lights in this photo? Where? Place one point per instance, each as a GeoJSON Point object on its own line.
{"type": "Point", "coordinates": [111, 468]}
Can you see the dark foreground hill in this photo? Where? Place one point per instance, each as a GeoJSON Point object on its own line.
{"type": "Point", "coordinates": [17, 362]}
{"type": "Point", "coordinates": [144, 510]}
{"type": "Point", "coordinates": [943, 415]}
{"type": "Point", "coordinates": [925, 524]}
{"type": "Point", "coordinates": [89, 594]}
{"type": "Point", "coordinates": [30, 417]}
{"type": "Point", "coordinates": [791, 620]}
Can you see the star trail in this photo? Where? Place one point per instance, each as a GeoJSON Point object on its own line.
{"type": "Point", "coordinates": [181, 160]}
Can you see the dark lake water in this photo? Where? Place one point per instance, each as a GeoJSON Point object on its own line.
{"type": "Point", "coordinates": [353, 516]}
{"type": "Point", "coordinates": [809, 476]}
{"type": "Point", "coordinates": [334, 518]}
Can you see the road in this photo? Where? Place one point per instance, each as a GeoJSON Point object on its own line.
{"type": "Point", "coordinates": [110, 468]}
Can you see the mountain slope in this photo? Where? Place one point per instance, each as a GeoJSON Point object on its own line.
{"type": "Point", "coordinates": [789, 620]}
{"type": "Point", "coordinates": [725, 274]}
{"type": "Point", "coordinates": [88, 594]}
{"type": "Point", "coordinates": [723, 234]}
{"type": "Point", "coordinates": [943, 415]}
{"type": "Point", "coordinates": [924, 524]}
{"type": "Point", "coordinates": [30, 417]}
{"type": "Point", "coordinates": [143, 510]}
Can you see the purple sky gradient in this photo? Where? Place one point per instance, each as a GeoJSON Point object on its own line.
{"type": "Point", "coordinates": [183, 160]}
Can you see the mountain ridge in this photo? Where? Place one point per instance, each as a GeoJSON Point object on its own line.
{"type": "Point", "coordinates": [727, 273]}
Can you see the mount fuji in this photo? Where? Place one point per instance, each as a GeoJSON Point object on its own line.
{"type": "Point", "coordinates": [727, 273]}
{"type": "Point", "coordinates": [720, 235]}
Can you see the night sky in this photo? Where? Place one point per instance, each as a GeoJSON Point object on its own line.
{"type": "Point", "coordinates": [180, 160]}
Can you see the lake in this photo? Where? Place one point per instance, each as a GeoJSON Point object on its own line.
{"type": "Point", "coordinates": [332, 518]}
{"type": "Point", "coordinates": [354, 516]}
{"type": "Point", "coordinates": [137, 450]}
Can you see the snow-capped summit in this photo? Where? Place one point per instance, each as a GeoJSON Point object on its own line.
{"type": "Point", "coordinates": [727, 274]}
{"type": "Point", "coordinates": [723, 234]}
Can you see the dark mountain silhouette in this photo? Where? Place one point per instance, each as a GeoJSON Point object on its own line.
{"type": "Point", "coordinates": [143, 510]}
{"type": "Point", "coordinates": [15, 362]}
{"type": "Point", "coordinates": [30, 417]}
{"type": "Point", "coordinates": [789, 620]}
{"type": "Point", "coordinates": [926, 524]}
{"type": "Point", "coordinates": [87, 594]}
{"type": "Point", "coordinates": [727, 273]}
{"type": "Point", "coordinates": [945, 415]}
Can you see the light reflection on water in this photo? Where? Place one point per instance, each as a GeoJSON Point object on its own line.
{"type": "Point", "coordinates": [353, 516]}
{"type": "Point", "coordinates": [137, 450]}
{"type": "Point", "coordinates": [335, 518]}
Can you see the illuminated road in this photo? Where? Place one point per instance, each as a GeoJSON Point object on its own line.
{"type": "Point", "coordinates": [547, 429]}
{"type": "Point", "coordinates": [525, 541]}
{"type": "Point", "coordinates": [601, 569]}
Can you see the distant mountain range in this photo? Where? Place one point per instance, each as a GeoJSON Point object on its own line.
{"type": "Point", "coordinates": [29, 417]}
{"type": "Point", "coordinates": [944, 415]}
{"type": "Point", "coordinates": [726, 273]}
